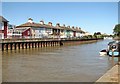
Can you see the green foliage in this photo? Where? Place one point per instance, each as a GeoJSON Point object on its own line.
{"type": "Point", "coordinates": [116, 30]}
{"type": "Point", "coordinates": [97, 33]}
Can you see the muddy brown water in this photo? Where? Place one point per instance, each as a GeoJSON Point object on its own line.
{"type": "Point", "coordinates": [75, 63]}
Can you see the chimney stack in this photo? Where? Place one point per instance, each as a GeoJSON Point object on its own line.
{"type": "Point", "coordinates": [68, 26]}
{"type": "Point", "coordinates": [50, 23]}
{"type": "Point", "coordinates": [30, 20]}
{"type": "Point", "coordinates": [42, 22]}
{"type": "Point", "coordinates": [63, 25]}
{"type": "Point", "coordinates": [73, 27]}
{"type": "Point", "coordinates": [58, 25]}
{"type": "Point", "coordinates": [79, 28]}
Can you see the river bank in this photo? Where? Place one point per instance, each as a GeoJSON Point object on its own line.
{"type": "Point", "coordinates": [36, 43]}
{"type": "Point", "coordinates": [111, 76]}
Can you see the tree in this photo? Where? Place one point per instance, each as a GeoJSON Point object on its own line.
{"type": "Point", "coordinates": [97, 33]}
{"type": "Point", "coordinates": [116, 30]}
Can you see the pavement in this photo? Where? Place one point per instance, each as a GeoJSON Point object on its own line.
{"type": "Point", "coordinates": [111, 76]}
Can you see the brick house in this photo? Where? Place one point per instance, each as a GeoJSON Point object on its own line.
{"type": "Point", "coordinates": [3, 27]}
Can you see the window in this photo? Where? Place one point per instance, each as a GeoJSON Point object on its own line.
{"type": "Point", "coordinates": [28, 32]}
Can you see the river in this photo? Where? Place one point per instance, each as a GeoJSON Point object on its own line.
{"type": "Point", "coordinates": [75, 63]}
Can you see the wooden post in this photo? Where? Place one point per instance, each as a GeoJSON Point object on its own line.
{"type": "Point", "coordinates": [26, 45]}
{"type": "Point", "coordinates": [35, 45]}
{"type": "Point", "coordinates": [46, 43]}
{"type": "Point", "coordinates": [29, 44]}
{"type": "Point", "coordinates": [18, 45]}
{"type": "Point", "coordinates": [51, 43]}
{"type": "Point", "coordinates": [22, 45]}
{"type": "Point", "coordinates": [6, 46]}
{"type": "Point", "coordinates": [38, 44]}
{"type": "Point", "coordinates": [2, 46]}
{"type": "Point", "coordinates": [61, 44]}
{"type": "Point", "coordinates": [41, 44]}
{"type": "Point", "coordinates": [11, 46]}
{"type": "Point", "coordinates": [32, 45]}
{"type": "Point", "coordinates": [15, 46]}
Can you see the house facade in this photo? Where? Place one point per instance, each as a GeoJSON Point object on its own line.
{"type": "Point", "coordinates": [31, 29]}
{"type": "Point", "coordinates": [3, 27]}
{"type": "Point", "coordinates": [12, 32]}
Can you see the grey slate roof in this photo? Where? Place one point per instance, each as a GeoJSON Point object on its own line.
{"type": "Point", "coordinates": [2, 19]}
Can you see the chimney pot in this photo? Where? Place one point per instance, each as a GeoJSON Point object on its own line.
{"type": "Point", "coordinates": [42, 22]}
{"type": "Point", "coordinates": [73, 27]}
{"type": "Point", "coordinates": [30, 20]}
{"type": "Point", "coordinates": [50, 23]}
{"type": "Point", "coordinates": [68, 26]}
{"type": "Point", "coordinates": [58, 24]}
{"type": "Point", "coordinates": [63, 25]}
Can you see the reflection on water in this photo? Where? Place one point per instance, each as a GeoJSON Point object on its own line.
{"type": "Point", "coordinates": [77, 63]}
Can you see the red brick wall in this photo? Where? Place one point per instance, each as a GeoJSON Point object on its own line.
{"type": "Point", "coordinates": [5, 29]}
{"type": "Point", "coordinates": [74, 34]}
{"type": "Point", "coordinates": [26, 32]}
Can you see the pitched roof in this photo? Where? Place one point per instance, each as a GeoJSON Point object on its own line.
{"type": "Point", "coordinates": [28, 24]}
{"type": "Point", "coordinates": [66, 28]}
{"type": "Point", "coordinates": [72, 29]}
{"type": "Point", "coordinates": [38, 25]}
{"type": "Point", "coordinates": [79, 30]}
{"type": "Point", "coordinates": [2, 19]}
